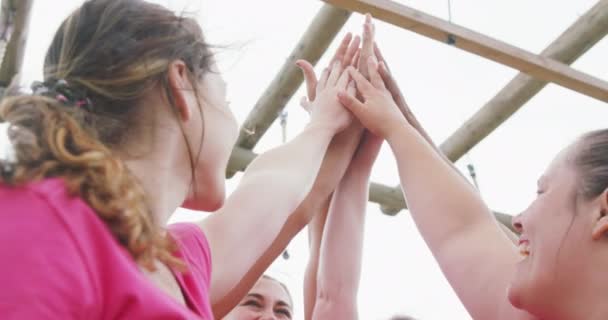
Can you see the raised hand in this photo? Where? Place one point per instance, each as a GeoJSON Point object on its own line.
{"type": "Point", "coordinates": [379, 112]}
{"type": "Point", "coordinates": [326, 109]}
{"type": "Point", "coordinates": [346, 54]}
{"type": "Point", "coordinates": [367, 48]}
{"type": "Point", "coordinates": [393, 88]}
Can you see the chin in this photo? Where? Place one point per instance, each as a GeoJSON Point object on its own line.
{"type": "Point", "coordinates": [514, 296]}
{"type": "Point", "coordinates": [207, 199]}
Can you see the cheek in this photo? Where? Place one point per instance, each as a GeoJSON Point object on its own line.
{"type": "Point", "coordinates": [239, 313]}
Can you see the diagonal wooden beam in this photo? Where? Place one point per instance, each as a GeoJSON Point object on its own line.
{"type": "Point", "coordinates": [385, 196]}
{"type": "Point", "coordinates": [538, 66]}
{"type": "Point", "coordinates": [317, 38]}
{"type": "Point", "coordinates": [581, 36]}
{"type": "Point", "coordinates": [14, 23]}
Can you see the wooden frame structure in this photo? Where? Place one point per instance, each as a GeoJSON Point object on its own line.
{"type": "Point", "coordinates": [14, 23]}
{"type": "Point", "coordinates": [551, 65]}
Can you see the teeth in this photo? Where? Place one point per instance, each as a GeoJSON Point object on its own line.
{"type": "Point", "coordinates": [524, 249]}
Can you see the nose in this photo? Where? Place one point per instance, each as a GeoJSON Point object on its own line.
{"type": "Point", "coordinates": [517, 222]}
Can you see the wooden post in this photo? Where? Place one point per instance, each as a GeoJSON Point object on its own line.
{"type": "Point", "coordinates": [321, 32]}
{"type": "Point", "coordinates": [541, 67]}
{"type": "Point", "coordinates": [583, 34]}
{"type": "Point", "coordinates": [14, 23]}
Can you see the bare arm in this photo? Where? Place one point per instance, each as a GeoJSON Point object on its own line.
{"type": "Point", "coordinates": [317, 225]}
{"type": "Point", "coordinates": [272, 188]}
{"type": "Point", "coordinates": [334, 165]}
{"type": "Point", "coordinates": [341, 249]}
{"type": "Point", "coordinates": [473, 252]}
{"type": "Point", "coordinates": [315, 234]}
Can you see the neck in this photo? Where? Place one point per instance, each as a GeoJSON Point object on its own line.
{"type": "Point", "coordinates": [156, 158]}
{"type": "Point", "coordinates": [161, 186]}
{"type": "Point", "coordinates": [586, 299]}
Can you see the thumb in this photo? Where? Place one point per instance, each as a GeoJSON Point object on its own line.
{"type": "Point", "coordinates": [351, 103]}
{"type": "Point", "coordinates": [310, 78]}
{"type": "Point", "coordinates": [305, 104]}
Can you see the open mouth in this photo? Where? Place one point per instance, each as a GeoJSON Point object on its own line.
{"type": "Point", "coordinates": [524, 248]}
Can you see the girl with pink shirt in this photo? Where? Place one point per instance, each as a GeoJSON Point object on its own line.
{"type": "Point", "coordinates": [130, 123]}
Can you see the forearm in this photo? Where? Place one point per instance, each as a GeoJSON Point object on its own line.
{"type": "Point", "coordinates": [274, 233]}
{"type": "Point", "coordinates": [434, 190]}
{"type": "Point", "coordinates": [315, 234]}
{"type": "Point", "coordinates": [299, 159]}
{"type": "Point", "coordinates": [341, 249]}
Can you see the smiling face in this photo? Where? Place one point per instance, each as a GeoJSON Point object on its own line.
{"type": "Point", "coordinates": [268, 299]}
{"type": "Point", "coordinates": [559, 243]}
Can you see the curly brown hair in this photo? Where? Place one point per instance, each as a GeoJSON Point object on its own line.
{"type": "Point", "coordinates": [113, 52]}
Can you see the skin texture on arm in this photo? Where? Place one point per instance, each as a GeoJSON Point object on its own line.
{"type": "Point", "coordinates": [473, 252]}
{"type": "Point", "coordinates": [315, 234]}
{"type": "Point", "coordinates": [334, 165]}
{"type": "Point", "coordinates": [249, 222]}
{"type": "Point", "coordinates": [392, 86]}
{"type": "Point", "coordinates": [342, 245]}
{"type": "Point", "coordinates": [315, 228]}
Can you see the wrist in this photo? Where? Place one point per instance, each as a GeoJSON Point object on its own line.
{"type": "Point", "coordinates": [323, 127]}
{"type": "Point", "coordinates": [398, 134]}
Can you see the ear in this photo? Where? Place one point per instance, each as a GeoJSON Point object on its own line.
{"type": "Point", "coordinates": [182, 89]}
{"type": "Point", "coordinates": [600, 229]}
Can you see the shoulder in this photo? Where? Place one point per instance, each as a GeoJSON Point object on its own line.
{"type": "Point", "coordinates": [46, 265]}
{"type": "Point", "coordinates": [193, 245]}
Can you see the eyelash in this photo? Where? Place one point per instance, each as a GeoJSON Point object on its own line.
{"type": "Point", "coordinates": [284, 312]}
{"type": "Point", "coordinates": [252, 303]}
{"type": "Point", "coordinates": [256, 304]}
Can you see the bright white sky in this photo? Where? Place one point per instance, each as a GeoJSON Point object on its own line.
{"type": "Point", "coordinates": [443, 85]}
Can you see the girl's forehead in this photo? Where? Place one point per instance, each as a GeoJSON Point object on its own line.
{"type": "Point", "coordinates": [271, 290]}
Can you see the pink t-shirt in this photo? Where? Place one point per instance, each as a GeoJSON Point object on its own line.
{"type": "Point", "coordinates": [58, 260]}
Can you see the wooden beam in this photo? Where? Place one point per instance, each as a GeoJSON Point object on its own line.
{"type": "Point", "coordinates": [540, 67]}
{"type": "Point", "coordinates": [14, 23]}
{"type": "Point", "coordinates": [385, 196]}
{"type": "Point", "coordinates": [583, 34]}
{"type": "Point", "coordinates": [317, 38]}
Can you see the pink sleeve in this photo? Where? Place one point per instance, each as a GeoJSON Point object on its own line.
{"type": "Point", "coordinates": [194, 246]}
{"type": "Point", "coordinates": [43, 269]}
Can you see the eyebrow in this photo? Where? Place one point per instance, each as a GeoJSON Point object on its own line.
{"type": "Point", "coordinates": [256, 295]}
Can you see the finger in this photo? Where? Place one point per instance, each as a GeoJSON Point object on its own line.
{"type": "Point", "coordinates": [351, 103]}
{"type": "Point", "coordinates": [305, 104]}
{"type": "Point", "coordinates": [310, 78]}
{"type": "Point", "coordinates": [364, 86]}
{"type": "Point", "coordinates": [352, 51]}
{"type": "Point", "coordinates": [379, 56]}
{"type": "Point", "coordinates": [374, 76]}
{"type": "Point", "coordinates": [355, 61]}
{"type": "Point", "coordinates": [351, 88]}
{"type": "Point", "coordinates": [323, 80]}
{"type": "Point", "coordinates": [368, 38]}
{"type": "Point", "coordinates": [343, 81]}
{"type": "Point", "coordinates": [342, 49]}
{"type": "Point", "coordinates": [387, 77]}
{"type": "Point", "coordinates": [335, 73]}
{"type": "Point", "coordinates": [393, 88]}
